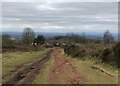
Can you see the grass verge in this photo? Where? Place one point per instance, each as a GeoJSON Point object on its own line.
{"type": "Point", "coordinates": [93, 76]}
{"type": "Point", "coordinates": [15, 61]}
{"type": "Point", "coordinates": [43, 74]}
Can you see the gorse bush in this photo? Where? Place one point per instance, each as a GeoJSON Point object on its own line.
{"type": "Point", "coordinates": [116, 51]}
{"type": "Point", "coordinates": [109, 53]}
{"type": "Point", "coordinates": [74, 51]}
{"type": "Point", "coordinates": [39, 40]}
{"type": "Point", "coordinates": [106, 54]}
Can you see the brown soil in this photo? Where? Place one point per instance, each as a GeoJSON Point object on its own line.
{"type": "Point", "coordinates": [28, 74]}
{"type": "Point", "coordinates": [63, 71]}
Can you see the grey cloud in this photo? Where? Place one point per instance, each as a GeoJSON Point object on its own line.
{"type": "Point", "coordinates": [60, 13]}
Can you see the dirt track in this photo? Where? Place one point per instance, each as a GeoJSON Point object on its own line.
{"type": "Point", "coordinates": [63, 71]}
{"type": "Point", "coordinates": [28, 74]}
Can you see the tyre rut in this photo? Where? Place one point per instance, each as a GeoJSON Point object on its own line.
{"type": "Point", "coordinates": [27, 75]}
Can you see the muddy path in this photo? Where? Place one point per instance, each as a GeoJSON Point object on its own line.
{"type": "Point", "coordinates": [63, 71]}
{"type": "Point", "coordinates": [27, 75]}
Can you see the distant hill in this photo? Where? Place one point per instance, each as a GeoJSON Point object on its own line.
{"type": "Point", "coordinates": [92, 35]}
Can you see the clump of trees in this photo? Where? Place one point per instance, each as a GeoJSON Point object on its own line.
{"type": "Point", "coordinates": [39, 40]}
{"type": "Point", "coordinates": [28, 37]}
{"type": "Point", "coordinates": [24, 44]}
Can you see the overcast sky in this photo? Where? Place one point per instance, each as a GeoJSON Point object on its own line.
{"type": "Point", "coordinates": [51, 16]}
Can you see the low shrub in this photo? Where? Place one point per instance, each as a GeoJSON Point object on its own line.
{"type": "Point", "coordinates": [24, 48]}
{"type": "Point", "coordinates": [116, 51]}
{"type": "Point", "coordinates": [106, 54]}
{"type": "Point", "coordinates": [74, 51]}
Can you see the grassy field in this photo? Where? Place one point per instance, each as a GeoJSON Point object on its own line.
{"type": "Point", "coordinates": [94, 76]}
{"type": "Point", "coordinates": [43, 74]}
{"type": "Point", "coordinates": [12, 62]}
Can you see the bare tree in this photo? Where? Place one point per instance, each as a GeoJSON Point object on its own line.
{"type": "Point", "coordinates": [108, 37]}
{"type": "Point", "coordinates": [28, 36]}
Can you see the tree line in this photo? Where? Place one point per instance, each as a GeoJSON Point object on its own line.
{"type": "Point", "coordinates": [27, 41]}
{"type": "Point", "coordinates": [29, 38]}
